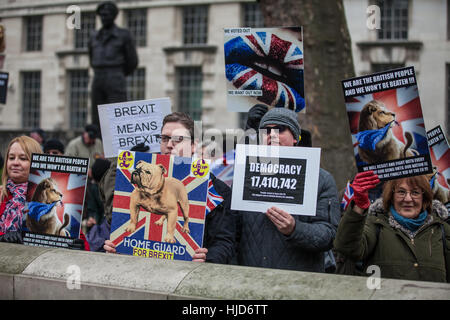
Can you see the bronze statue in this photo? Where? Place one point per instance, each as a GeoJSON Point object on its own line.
{"type": "Point", "coordinates": [112, 54]}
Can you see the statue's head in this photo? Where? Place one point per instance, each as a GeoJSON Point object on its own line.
{"type": "Point", "coordinates": [108, 12]}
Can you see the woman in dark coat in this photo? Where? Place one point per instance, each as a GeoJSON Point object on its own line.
{"type": "Point", "coordinates": [403, 233]}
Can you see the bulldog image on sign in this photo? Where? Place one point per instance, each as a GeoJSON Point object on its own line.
{"type": "Point", "coordinates": [374, 116]}
{"type": "Point", "coordinates": [160, 195]}
{"type": "Point", "coordinates": [42, 217]}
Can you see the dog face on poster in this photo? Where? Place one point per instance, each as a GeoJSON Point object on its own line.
{"type": "Point", "coordinates": [160, 195]}
{"type": "Point", "coordinates": [42, 217]}
{"type": "Point", "coordinates": [387, 125]}
{"type": "Point", "coordinates": [375, 116]}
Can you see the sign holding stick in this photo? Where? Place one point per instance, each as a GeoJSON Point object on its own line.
{"type": "Point", "coordinates": [127, 124]}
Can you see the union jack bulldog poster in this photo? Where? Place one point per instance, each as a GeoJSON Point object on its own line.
{"type": "Point", "coordinates": [159, 205]}
{"type": "Point", "coordinates": [440, 156]}
{"type": "Point", "coordinates": [386, 123]}
{"type": "Point", "coordinates": [55, 199]}
{"type": "Point", "coordinates": [264, 65]}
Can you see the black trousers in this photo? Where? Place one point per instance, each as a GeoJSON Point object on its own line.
{"type": "Point", "coordinates": [109, 86]}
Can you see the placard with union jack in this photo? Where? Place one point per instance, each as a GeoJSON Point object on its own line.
{"type": "Point", "coordinates": [440, 156]}
{"type": "Point", "coordinates": [386, 123]}
{"type": "Point", "coordinates": [148, 188]}
{"type": "Point", "coordinates": [264, 65]}
{"type": "Point", "coordinates": [55, 199]}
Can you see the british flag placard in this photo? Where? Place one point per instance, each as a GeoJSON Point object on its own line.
{"type": "Point", "coordinates": [386, 123]}
{"type": "Point", "coordinates": [159, 205]}
{"type": "Point", "coordinates": [55, 199]}
{"type": "Point", "coordinates": [264, 65]}
{"type": "Point", "coordinates": [440, 156]}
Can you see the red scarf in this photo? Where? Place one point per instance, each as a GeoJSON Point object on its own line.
{"type": "Point", "coordinates": [12, 217]}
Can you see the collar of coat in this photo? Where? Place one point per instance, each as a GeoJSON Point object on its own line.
{"type": "Point", "coordinates": [437, 209]}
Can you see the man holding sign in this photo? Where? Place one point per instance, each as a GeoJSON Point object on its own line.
{"type": "Point", "coordinates": [286, 240]}
{"type": "Point", "coordinates": [177, 138]}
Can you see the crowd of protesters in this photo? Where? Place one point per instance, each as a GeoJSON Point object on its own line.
{"type": "Point", "coordinates": [396, 225]}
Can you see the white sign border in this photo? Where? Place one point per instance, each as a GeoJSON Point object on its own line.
{"type": "Point", "coordinates": [312, 156]}
{"type": "Point", "coordinates": [108, 148]}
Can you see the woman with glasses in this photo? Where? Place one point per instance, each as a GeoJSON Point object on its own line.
{"type": "Point", "coordinates": [403, 233]}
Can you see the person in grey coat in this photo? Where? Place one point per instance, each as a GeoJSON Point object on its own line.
{"type": "Point", "coordinates": [276, 238]}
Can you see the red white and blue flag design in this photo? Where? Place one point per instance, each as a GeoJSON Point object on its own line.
{"type": "Point", "coordinates": [148, 235]}
{"type": "Point", "coordinates": [348, 197]}
{"type": "Point", "coordinates": [405, 103]}
{"type": "Point", "coordinates": [72, 186]}
{"type": "Point", "coordinates": [440, 157]}
{"type": "Point", "coordinates": [223, 168]}
{"type": "Point", "coordinates": [270, 60]}
{"type": "Point", "coordinates": [213, 199]}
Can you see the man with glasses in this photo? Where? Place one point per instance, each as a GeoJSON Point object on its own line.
{"type": "Point", "coordinates": [177, 138]}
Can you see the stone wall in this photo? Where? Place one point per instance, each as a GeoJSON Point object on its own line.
{"type": "Point", "coordinates": [43, 273]}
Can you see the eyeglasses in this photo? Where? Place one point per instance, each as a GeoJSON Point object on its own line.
{"type": "Point", "coordinates": [415, 194]}
{"type": "Point", "coordinates": [175, 139]}
{"type": "Point", "coordinates": [280, 128]}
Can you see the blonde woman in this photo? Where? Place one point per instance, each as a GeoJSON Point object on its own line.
{"type": "Point", "coordinates": [14, 186]}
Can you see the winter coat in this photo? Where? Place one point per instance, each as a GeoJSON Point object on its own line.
{"type": "Point", "coordinates": [220, 227]}
{"type": "Point", "coordinates": [260, 244]}
{"type": "Point", "coordinates": [398, 252]}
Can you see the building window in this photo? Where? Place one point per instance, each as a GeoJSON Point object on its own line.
{"type": "Point", "coordinates": [33, 33]}
{"type": "Point", "coordinates": [78, 98]}
{"type": "Point", "coordinates": [252, 15]}
{"type": "Point", "coordinates": [31, 99]}
{"type": "Point", "coordinates": [381, 67]}
{"type": "Point", "coordinates": [394, 20]}
{"type": "Point", "coordinates": [189, 95]}
{"type": "Point", "coordinates": [136, 85]}
{"type": "Point", "coordinates": [137, 24]}
{"type": "Point", "coordinates": [87, 26]}
{"type": "Point", "coordinates": [195, 25]}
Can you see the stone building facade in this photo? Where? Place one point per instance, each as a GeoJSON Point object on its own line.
{"type": "Point", "coordinates": [180, 48]}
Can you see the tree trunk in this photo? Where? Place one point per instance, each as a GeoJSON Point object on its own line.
{"type": "Point", "coordinates": [327, 60]}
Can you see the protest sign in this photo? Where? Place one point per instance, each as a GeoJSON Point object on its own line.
{"type": "Point", "coordinates": [3, 86]}
{"type": "Point", "coordinates": [55, 199]}
{"type": "Point", "coordinates": [127, 124]}
{"type": "Point", "coordinates": [440, 157]}
{"type": "Point", "coordinates": [284, 177]}
{"type": "Point", "coordinates": [159, 205]}
{"type": "Point", "coordinates": [386, 123]}
{"type": "Point", "coordinates": [264, 65]}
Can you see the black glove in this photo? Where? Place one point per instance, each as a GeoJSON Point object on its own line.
{"type": "Point", "coordinates": [255, 115]}
{"type": "Point", "coordinates": [140, 147]}
{"type": "Point", "coordinates": [78, 244]}
{"type": "Point", "coordinates": [12, 237]}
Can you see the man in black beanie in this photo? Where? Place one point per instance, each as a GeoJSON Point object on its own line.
{"type": "Point", "coordinates": [95, 209]}
{"type": "Point", "coordinates": [99, 168]}
{"type": "Point", "coordinates": [280, 239]}
{"type": "Point", "coordinates": [54, 146]}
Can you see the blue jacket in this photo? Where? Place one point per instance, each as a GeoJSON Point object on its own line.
{"type": "Point", "coordinates": [260, 244]}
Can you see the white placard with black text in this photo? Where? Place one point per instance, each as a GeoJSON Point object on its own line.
{"type": "Point", "coordinates": [284, 177]}
{"type": "Point", "coordinates": [126, 124]}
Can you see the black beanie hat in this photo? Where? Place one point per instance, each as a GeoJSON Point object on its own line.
{"type": "Point", "coordinates": [53, 144]}
{"type": "Point", "coordinates": [99, 168]}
